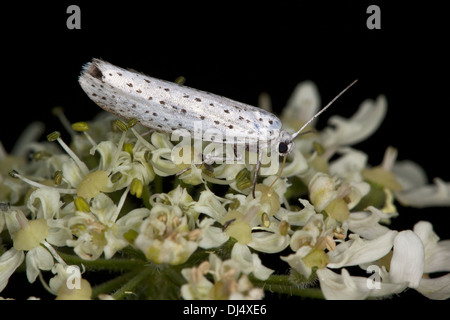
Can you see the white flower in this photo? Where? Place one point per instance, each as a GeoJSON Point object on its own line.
{"type": "Point", "coordinates": [406, 266]}
{"type": "Point", "coordinates": [228, 282]}
{"type": "Point", "coordinates": [99, 231]}
{"type": "Point", "coordinates": [166, 237]}
{"type": "Point", "coordinates": [238, 223]}
{"type": "Point", "coordinates": [29, 236]}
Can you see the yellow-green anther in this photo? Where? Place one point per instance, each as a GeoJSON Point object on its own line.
{"type": "Point", "coordinates": [40, 155]}
{"type": "Point", "coordinates": [81, 204]}
{"type": "Point", "coordinates": [132, 122]}
{"type": "Point", "coordinates": [122, 126]}
{"type": "Point", "coordinates": [80, 126]}
{"type": "Point", "coordinates": [244, 173]}
{"type": "Point", "coordinates": [130, 236]}
{"type": "Point", "coordinates": [53, 136]}
{"type": "Point", "coordinates": [265, 220]}
{"type": "Point", "coordinates": [116, 177]}
{"type": "Point", "coordinates": [284, 227]}
{"type": "Point", "coordinates": [148, 155]}
{"type": "Point", "coordinates": [136, 188]}
{"type": "Point", "coordinates": [234, 204]}
{"type": "Point", "coordinates": [128, 147]}
{"type": "Point", "coordinates": [319, 148]}
{"type": "Point", "coordinates": [180, 80]}
{"type": "Point", "coordinates": [57, 178]}
{"type": "Point", "coordinates": [243, 179]}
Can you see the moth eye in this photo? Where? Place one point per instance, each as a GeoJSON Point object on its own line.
{"type": "Point", "coordinates": [282, 147]}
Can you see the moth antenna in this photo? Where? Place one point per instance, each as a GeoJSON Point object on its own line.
{"type": "Point", "coordinates": [323, 109]}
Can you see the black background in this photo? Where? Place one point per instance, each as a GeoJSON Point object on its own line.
{"type": "Point", "coordinates": [238, 50]}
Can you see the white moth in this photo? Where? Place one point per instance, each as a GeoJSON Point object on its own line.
{"type": "Point", "coordinates": [165, 106]}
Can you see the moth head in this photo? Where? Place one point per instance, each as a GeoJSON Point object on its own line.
{"type": "Point", "coordinates": [285, 144]}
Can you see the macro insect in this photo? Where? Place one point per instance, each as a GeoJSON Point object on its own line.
{"type": "Point", "coordinates": [165, 107]}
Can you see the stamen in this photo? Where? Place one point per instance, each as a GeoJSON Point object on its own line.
{"type": "Point", "coordinates": [57, 178]}
{"type": "Point", "coordinates": [84, 127]}
{"type": "Point", "coordinates": [56, 136]}
{"type": "Point", "coordinates": [17, 175]}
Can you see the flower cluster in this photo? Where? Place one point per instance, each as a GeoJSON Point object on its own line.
{"type": "Point", "coordinates": [115, 200]}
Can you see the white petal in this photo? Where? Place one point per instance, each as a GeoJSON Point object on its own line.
{"type": "Point", "coordinates": [358, 251]}
{"type": "Point", "coordinates": [48, 206]}
{"type": "Point", "coordinates": [212, 237]}
{"type": "Point", "coordinates": [427, 195]}
{"type": "Point", "coordinates": [303, 103]}
{"type": "Point", "coordinates": [295, 261]}
{"type": "Point", "coordinates": [346, 287]}
{"type": "Point", "coordinates": [349, 165]}
{"type": "Point", "coordinates": [9, 262]}
{"type": "Point", "coordinates": [297, 218]}
{"type": "Point", "coordinates": [72, 173]}
{"type": "Point", "coordinates": [59, 233]}
{"type": "Point", "coordinates": [407, 261]}
{"type": "Point", "coordinates": [437, 253]}
{"type": "Point", "coordinates": [436, 288]}
{"type": "Point", "coordinates": [343, 286]}
{"type": "Point", "coordinates": [209, 204]}
{"type": "Point", "coordinates": [363, 124]}
{"type": "Point", "coordinates": [250, 263]}
{"type": "Point", "coordinates": [366, 224]}
{"type": "Point", "coordinates": [38, 259]}
{"type": "Point", "coordinates": [409, 174]}
{"type": "Point", "coordinates": [269, 242]}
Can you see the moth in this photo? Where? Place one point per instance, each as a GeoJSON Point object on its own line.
{"type": "Point", "coordinates": [165, 107]}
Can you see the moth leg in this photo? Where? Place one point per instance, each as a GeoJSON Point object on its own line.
{"type": "Point", "coordinates": [255, 178]}
{"type": "Point", "coordinates": [147, 132]}
{"type": "Point", "coordinates": [207, 162]}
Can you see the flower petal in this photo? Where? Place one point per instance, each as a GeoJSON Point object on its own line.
{"type": "Point", "coordinates": [363, 124]}
{"type": "Point", "coordinates": [250, 263]}
{"type": "Point", "coordinates": [9, 262]}
{"type": "Point", "coordinates": [358, 251]}
{"type": "Point", "coordinates": [436, 288]}
{"type": "Point", "coordinates": [437, 253]}
{"type": "Point", "coordinates": [407, 263]}
{"type": "Point", "coordinates": [426, 195]}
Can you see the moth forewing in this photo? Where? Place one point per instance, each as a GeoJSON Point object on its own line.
{"type": "Point", "coordinates": [165, 106]}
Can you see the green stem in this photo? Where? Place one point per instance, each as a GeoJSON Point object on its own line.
{"type": "Point", "coordinates": [103, 264]}
{"type": "Point", "coordinates": [113, 284]}
{"type": "Point", "coordinates": [282, 284]}
{"type": "Point", "coordinates": [157, 184]}
{"type": "Point", "coordinates": [131, 284]}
